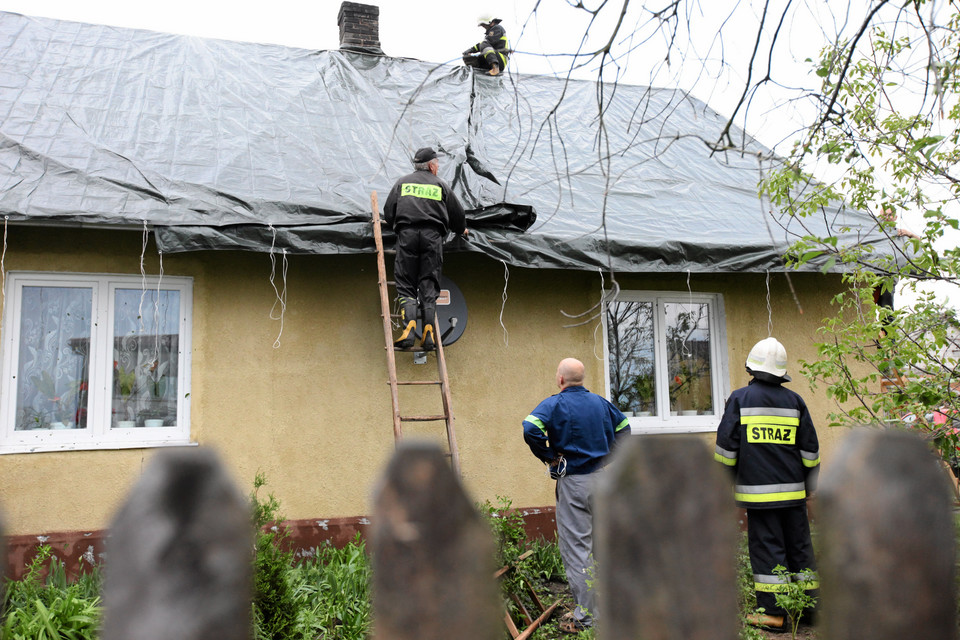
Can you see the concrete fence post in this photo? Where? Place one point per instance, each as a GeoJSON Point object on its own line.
{"type": "Point", "coordinates": [179, 556]}
{"type": "Point", "coordinates": [432, 554]}
{"type": "Point", "coordinates": [666, 543]}
{"type": "Point", "coordinates": [888, 556]}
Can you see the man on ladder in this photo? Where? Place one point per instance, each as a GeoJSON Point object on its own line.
{"type": "Point", "coordinates": [421, 208]}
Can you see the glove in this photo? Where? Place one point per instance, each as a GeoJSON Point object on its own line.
{"type": "Point", "coordinates": [557, 468]}
{"type": "Point", "coordinates": [469, 52]}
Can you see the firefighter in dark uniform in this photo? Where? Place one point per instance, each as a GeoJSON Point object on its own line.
{"type": "Point", "coordinates": [421, 208]}
{"type": "Point", "coordinates": [767, 438]}
{"type": "Point", "coordinates": [492, 52]}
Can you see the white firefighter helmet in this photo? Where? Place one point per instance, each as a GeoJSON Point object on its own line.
{"type": "Point", "coordinates": [486, 20]}
{"type": "Point", "coordinates": [768, 356]}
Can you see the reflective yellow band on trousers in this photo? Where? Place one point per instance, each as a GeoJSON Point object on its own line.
{"type": "Point", "coordinates": [771, 497]}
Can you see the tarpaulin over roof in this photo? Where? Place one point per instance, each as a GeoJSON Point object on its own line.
{"type": "Point", "coordinates": [227, 145]}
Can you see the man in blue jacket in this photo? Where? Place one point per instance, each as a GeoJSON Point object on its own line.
{"type": "Point", "coordinates": [767, 438]}
{"type": "Point", "coordinates": [573, 432]}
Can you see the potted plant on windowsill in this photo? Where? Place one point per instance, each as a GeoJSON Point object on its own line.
{"type": "Point", "coordinates": [127, 389]}
{"type": "Point", "coordinates": [155, 414]}
{"type": "Point", "coordinates": [60, 409]}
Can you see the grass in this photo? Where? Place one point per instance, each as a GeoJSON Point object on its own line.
{"type": "Point", "coordinates": [328, 589]}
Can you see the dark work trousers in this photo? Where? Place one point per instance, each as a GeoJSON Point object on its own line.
{"type": "Point", "coordinates": [418, 263]}
{"type": "Point", "coordinates": [778, 537]}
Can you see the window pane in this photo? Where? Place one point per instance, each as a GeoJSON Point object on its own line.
{"type": "Point", "coordinates": [688, 358]}
{"type": "Point", "coordinates": [633, 386]}
{"type": "Point", "coordinates": [53, 367]}
{"type": "Point", "coordinates": [146, 343]}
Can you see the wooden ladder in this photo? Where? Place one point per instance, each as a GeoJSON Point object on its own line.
{"type": "Point", "coordinates": [395, 384]}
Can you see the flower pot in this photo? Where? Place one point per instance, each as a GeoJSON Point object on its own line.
{"type": "Point", "coordinates": [644, 414]}
{"type": "Point", "coordinates": [126, 424]}
{"type": "Point", "coordinates": [58, 425]}
{"type": "Point", "coordinates": [689, 412]}
{"type": "Point", "coordinates": [153, 422]}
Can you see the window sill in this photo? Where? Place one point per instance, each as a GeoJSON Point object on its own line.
{"type": "Point", "coordinates": [47, 447]}
{"type": "Point", "coordinates": [655, 426]}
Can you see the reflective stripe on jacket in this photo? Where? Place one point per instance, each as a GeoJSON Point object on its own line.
{"type": "Point", "coordinates": [422, 198]}
{"type": "Point", "coordinates": [581, 426]}
{"type": "Point", "coordinates": [766, 436]}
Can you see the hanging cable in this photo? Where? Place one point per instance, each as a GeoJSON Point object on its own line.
{"type": "Point", "coordinates": [156, 314]}
{"type": "Point", "coordinates": [599, 356]}
{"type": "Point", "coordinates": [684, 349]}
{"type": "Point", "coordinates": [769, 308]}
{"type": "Point", "coordinates": [281, 294]}
{"type": "Point", "coordinates": [598, 342]}
{"type": "Point", "coordinates": [3, 269]}
{"type": "Point", "coordinates": [773, 244]}
{"type": "Point", "coordinates": [145, 236]}
{"type": "Point", "coordinates": [503, 305]}
{"type": "Point", "coordinates": [596, 310]}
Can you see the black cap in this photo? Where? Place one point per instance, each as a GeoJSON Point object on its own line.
{"type": "Point", "coordinates": [425, 154]}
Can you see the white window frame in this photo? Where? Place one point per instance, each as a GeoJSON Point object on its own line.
{"type": "Point", "coordinates": [98, 434]}
{"type": "Point", "coordinates": [664, 422]}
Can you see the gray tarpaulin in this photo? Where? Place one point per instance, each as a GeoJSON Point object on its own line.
{"type": "Point", "coordinates": [227, 145]}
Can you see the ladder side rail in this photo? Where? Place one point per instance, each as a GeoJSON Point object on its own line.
{"type": "Point", "coordinates": [447, 402]}
{"type": "Point", "coordinates": [385, 316]}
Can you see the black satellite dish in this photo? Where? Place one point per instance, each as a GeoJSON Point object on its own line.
{"type": "Point", "coordinates": [451, 312]}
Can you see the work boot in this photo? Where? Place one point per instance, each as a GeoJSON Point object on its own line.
{"type": "Point", "coordinates": [408, 323]}
{"type": "Point", "coordinates": [429, 340]}
{"type": "Point", "coordinates": [767, 622]}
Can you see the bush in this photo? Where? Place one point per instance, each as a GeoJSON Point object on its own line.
{"type": "Point", "coordinates": [37, 609]}
{"type": "Point", "coordinates": [274, 605]}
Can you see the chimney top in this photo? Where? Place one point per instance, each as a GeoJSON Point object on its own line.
{"type": "Point", "coordinates": [359, 27]}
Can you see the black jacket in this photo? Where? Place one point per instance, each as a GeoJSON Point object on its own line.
{"type": "Point", "coordinates": [767, 437]}
{"type": "Point", "coordinates": [422, 198]}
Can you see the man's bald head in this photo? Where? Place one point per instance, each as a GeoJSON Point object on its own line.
{"type": "Point", "coordinates": [570, 373]}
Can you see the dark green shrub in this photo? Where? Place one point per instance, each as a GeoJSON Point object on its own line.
{"type": "Point", "coordinates": [274, 604]}
{"type": "Point", "coordinates": [507, 526]}
{"type": "Point", "coordinates": [544, 563]}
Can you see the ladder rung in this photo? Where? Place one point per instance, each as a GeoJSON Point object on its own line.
{"type": "Point", "coordinates": [390, 251]}
{"type": "Point", "coordinates": [416, 382]}
{"type": "Point", "coordinates": [391, 282]}
{"type": "Point", "coordinates": [422, 418]}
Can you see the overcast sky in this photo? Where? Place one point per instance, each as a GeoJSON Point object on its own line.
{"type": "Point", "coordinates": [438, 30]}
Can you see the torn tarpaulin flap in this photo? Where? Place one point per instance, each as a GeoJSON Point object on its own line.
{"type": "Point", "coordinates": [478, 168]}
{"type": "Point", "coordinates": [228, 145]}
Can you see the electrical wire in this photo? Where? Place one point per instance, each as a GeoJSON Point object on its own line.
{"type": "Point", "coordinates": [156, 313]}
{"type": "Point", "coordinates": [145, 236]}
{"type": "Point", "coordinates": [769, 308]}
{"type": "Point", "coordinates": [3, 270]}
{"type": "Point", "coordinates": [506, 279]}
{"type": "Point", "coordinates": [281, 294]}
{"type": "Point", "coordinates": [684, 349]}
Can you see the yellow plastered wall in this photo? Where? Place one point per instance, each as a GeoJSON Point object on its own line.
{"type": "Point", "coordinates": [314, 414]}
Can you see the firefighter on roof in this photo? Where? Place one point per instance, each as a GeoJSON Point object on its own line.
{"type": "Point", "coordinates": [767, 438]}
{"type": "Point", "coordinates": [491, 53]}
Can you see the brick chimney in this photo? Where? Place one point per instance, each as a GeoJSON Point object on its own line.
{"type": "Point", "coordinates": [359, 27]}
